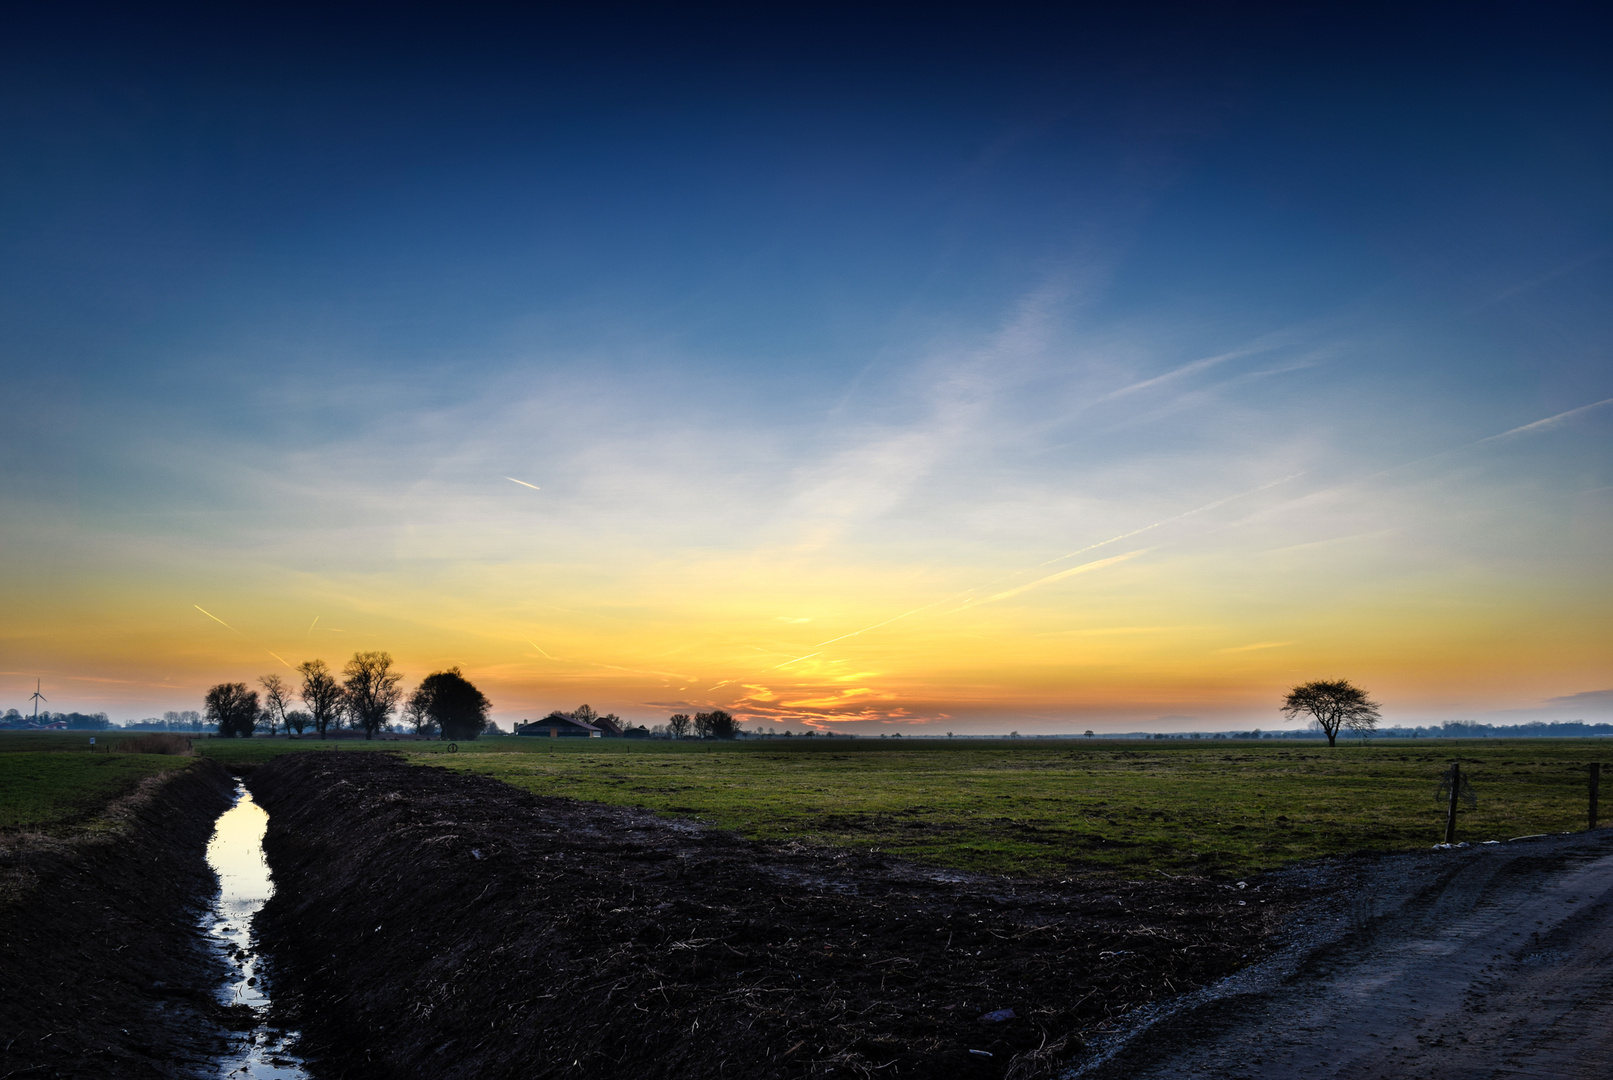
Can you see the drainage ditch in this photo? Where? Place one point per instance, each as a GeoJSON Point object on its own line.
{"type": "Point", "coordinates": [235, 854]}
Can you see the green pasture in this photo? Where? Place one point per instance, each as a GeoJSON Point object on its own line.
{"type": "Point", "coordinates": [45, 789]}
{"type": "Point", "coordinates": [1057, 808]}
{"type": "Point", "coordinates": [1040, 808]}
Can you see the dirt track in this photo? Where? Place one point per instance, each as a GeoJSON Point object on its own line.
{"type": "Point", "coordinates": [429, 923]}
{"type": "Point", "coordinates": [1488, 962]}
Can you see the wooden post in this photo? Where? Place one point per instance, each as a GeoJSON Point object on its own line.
{"type": "Point", "coordinates": [1450, 814]}
{"type": "Point", "coordinates": [1596, 783]}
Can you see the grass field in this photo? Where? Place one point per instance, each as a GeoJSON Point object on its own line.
{"type": "Point", "coordinates": [1038, 808]}
{"type": "Point", "coordinates": [46, 789]}
{"type": "Point", "coordinates": [1057, 808]}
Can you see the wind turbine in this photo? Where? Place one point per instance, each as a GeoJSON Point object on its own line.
{"type": "Point", "coordinates": [36, 699]}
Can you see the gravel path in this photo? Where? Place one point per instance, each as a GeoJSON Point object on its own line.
{"type": "Point", "coordinates": [1493, 961]}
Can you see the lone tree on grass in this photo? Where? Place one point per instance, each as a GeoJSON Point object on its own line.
{"type": "Point", "coordinates": [321, 693]}
{"type": "Point", "coordinates": [715, 725]}
{"type": "Point", "coordinates": [1335, 704]}
{"type": "Point", "coordinates": [458, 708]}
{"type": "Point", "coordinates": [276, 697]}
{"type": "Point", "coordinates": [370, 690]}
{"type": "Point", "coordinates": [233, 708]}
{"type": "Point", "coordinates": [417, 711]}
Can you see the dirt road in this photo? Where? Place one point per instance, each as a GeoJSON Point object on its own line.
{"type": "Point", "coordinates": [1493, 961]}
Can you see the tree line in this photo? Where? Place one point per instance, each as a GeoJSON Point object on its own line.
{"type": "Point", "coordinates": [364, 697]}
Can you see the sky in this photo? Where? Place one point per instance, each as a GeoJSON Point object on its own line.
{"type": "Point", "coordinates": [963, 368]}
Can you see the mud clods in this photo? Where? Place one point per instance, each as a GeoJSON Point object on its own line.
{"type": "Point", "coordinates": [103, 973]}
{"type": "Point", "coordinates": [429, 923]}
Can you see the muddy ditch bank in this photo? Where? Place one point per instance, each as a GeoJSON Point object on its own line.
{"type": "Point", "coordinates": [103, 969]}
{"type": "Point", "coordinates": [430, 923]}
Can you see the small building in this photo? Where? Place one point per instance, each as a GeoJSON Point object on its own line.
{"type": "Point", "coordinates": [558, 725]}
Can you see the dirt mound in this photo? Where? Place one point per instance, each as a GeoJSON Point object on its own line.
{"type": "Point", "coordinates": [429, 923]}
{"type": "Point", "coordinates": [102, 969]}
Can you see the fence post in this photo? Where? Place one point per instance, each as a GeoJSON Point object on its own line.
{"type": "Point", "coordinates": [1596, 783]}
{"type": "Point", "coordinates": [1450, 813]}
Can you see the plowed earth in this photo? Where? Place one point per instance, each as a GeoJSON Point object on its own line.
{"type": "Point", "coordinates": [104, 970]}
{"type": "Point", "coordinates": [429, 923]}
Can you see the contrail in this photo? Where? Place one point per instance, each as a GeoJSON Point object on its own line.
{"type": "Point", "coordinates": [523, 483]}
{"type": "Point", "coordinates": [1550, 421]}
{"type": "Point", "coordinates": [311, 626]}
{"type": "Point", "coordinates": [1173, 517]}
{"type": "Point", "coordinates": [1061, 558]}
{"type": "Point", "coordinates": [797, 660]}
{"type": "Point", "coordinates": [535, 645]}
{"type": "Point", "coordinates": [215, 618]}
{"type": "Point", "coordinates": [278, 657]}
{"type": "Point", "coordinates": [1071, 572]}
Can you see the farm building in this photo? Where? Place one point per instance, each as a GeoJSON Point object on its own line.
{"type": "Point", "coordinates": [560, 725]}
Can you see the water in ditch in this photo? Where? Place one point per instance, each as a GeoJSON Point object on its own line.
{"type": "Point", "coordinates": [236, 855]}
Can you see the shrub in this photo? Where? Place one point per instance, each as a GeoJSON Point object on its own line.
{"type": "Point", "coordinates": [161, 742]}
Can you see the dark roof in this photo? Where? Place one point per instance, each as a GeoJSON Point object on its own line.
{"type": "Point", "coordinates": [558, 720]}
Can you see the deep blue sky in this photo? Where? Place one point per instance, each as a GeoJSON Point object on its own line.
{"type": "Point", "coordinates": [369, 251]}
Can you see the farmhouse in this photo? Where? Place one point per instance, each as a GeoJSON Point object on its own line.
{"type": "Point", "coordinates": [558, 725]}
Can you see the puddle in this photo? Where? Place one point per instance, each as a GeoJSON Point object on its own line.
{"type": "Point", "coordinates": [236, 855]}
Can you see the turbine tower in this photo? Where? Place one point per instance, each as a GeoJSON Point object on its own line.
{"type": "Point", "coordinates": [36, 699]}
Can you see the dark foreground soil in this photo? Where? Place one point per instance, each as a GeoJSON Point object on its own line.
{"type": "Point", "coordinates": [1494, 962]}
{"type": "Point", "coordinates": [433, 924]}
{"type": "Point", "coordinates": [103, 970]}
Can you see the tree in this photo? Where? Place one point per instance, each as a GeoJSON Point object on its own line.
{"type": "Point", "coordinates": [1334, 703]}
{"type": "Point", "coordinates": [276, 696]}
{"type": "Point", "coordinates": [297, 721]}
{"type": "Point", "coordinates": [417, 712]}
{"type": "Point", "coordinates": [321, 693]}
{"type": "Point", "coordinates": [458, 708]}
{"type": "Point", "coordinates": [233, 708]}
{"type": "Point", "coordinates": [714, 725]}
{"type": "Point", "coordinates": [370, 690]}
{"type": "Point", "coordinates": [678, 725]}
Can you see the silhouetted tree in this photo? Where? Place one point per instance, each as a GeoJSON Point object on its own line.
{"type": "Point", "coordinates": [321, 693]}
{"type": "Point", "coordinates": [1334, 703]}
{"type": "Point", "coordinates": [458, 708]}
{"type": "Point", "coordinates": [233, 708]}
{"type": "Point", "coordinates": [297, 721]}
{"type": "Point", "coordinates": [678, 725]}
{"type": "Point", "coordinates": [276, 696]}
{"type": "Point", "coordinates": [370, 690]}
{"type": "Point", "coordinates": [714, 725]}
{"type": "Point", "coordinates": [417, 712]}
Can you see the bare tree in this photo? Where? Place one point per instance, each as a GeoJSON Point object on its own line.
{"type": "Point", "coordinates": [678, 725]}
{"type": "Point", "coordinates": [233, 708]}
{"type": "Point", "coordinates": [370, 690]}
{"type": "Point", "coordinates": [1335, 704]}
{"type": "Point", "coordinates": [417, 711]}
{"type": "Point", "coordinates": [321, 693]}
{"type": "Point", "coordinates": [276, 696]}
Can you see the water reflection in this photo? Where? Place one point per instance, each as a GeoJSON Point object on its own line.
{"type": "Point", "coordinates": [236, 855]}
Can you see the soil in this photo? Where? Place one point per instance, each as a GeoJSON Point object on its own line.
{"type": "Point", "coordinates": [431, 923]}
{"type": "Point", "coordinates": [1486, 962]}
{"type": "Point", "coordinates": [104, 972]}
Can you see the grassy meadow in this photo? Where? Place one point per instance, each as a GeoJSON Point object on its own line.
{"type": "Point", "coordinates": [49, 780]}
{"type": "Point", "coordinates": [1054, 808]}
{"type": "Point", "coordinates": [1027, 807]}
